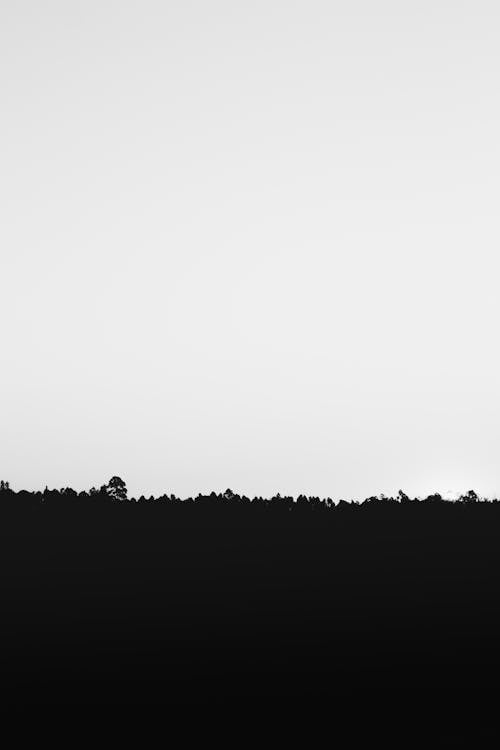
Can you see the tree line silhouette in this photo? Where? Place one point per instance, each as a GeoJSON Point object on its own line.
{"type": "Point", "coordinates": [221, 598]}
{"type": "Point", "coordinates": [116, 491]}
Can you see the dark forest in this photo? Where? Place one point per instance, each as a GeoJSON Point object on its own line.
{"type": "Point", "coordinates": [284, 601]}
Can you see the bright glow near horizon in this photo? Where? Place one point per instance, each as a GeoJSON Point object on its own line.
{"type": "Point", "coordinates": [250, 245]}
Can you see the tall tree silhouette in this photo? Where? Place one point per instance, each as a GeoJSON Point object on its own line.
{"type": "Point", "coordinates": [117, 489]}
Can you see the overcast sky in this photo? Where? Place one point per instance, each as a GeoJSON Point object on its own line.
{"type": "Point", "coordinates": [250, 245]}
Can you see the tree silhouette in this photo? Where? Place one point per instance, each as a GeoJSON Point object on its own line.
{"type": "Point", "coordinates": [403, 497]}
{"type": "Point", "coordinates": [117, 489]}
{"type": "Point", "coordinates": [470, 497]}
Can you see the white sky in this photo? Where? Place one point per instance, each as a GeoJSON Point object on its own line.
{"type": "Point", "coordinates": [250, 245]}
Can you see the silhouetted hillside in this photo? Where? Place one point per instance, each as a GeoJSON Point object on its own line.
{"type": "Point", "coordinates": [229, 599]}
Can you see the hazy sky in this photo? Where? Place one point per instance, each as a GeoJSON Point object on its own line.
{"type": "Point", "coordinates": [250, 245]}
